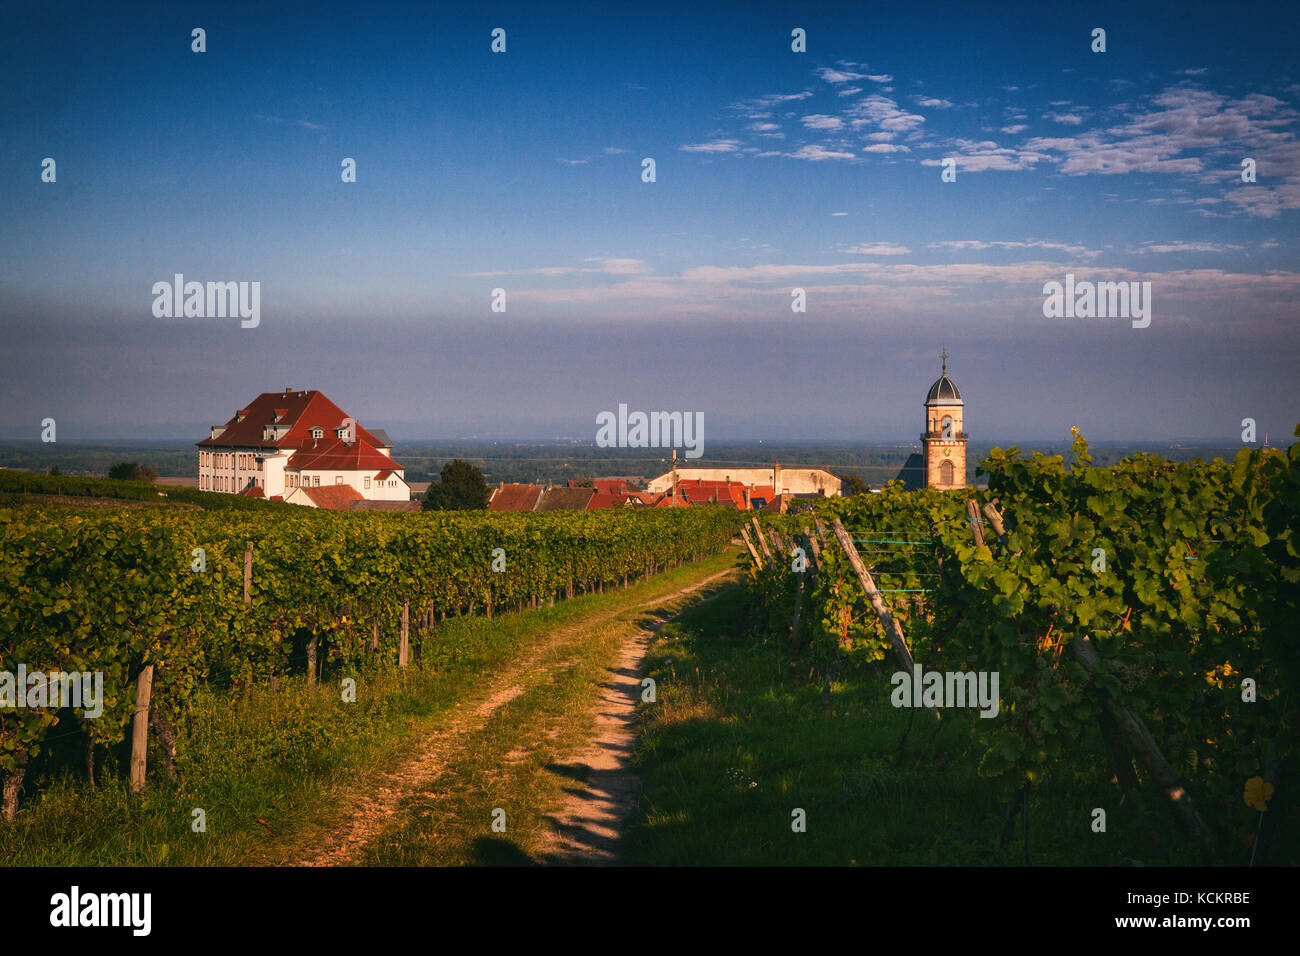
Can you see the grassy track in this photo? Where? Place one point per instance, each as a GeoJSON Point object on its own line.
{"type": "Point", "coordinates": [277, 775]}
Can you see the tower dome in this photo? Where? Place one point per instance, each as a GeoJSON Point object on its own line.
{"type": "Point", "coordinates": [944, 391]}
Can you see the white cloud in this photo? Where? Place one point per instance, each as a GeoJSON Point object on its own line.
{"type": "Point", "coordinates": [838, 76]}
{"type": "Point", "coordinates": [1018, 128]}
{"type": "Point", "coordinates": [980, 244]}
{"type": "Point", "coordinates": [987, 156]}
{"type": "Point", "coordinates": [1067, 119]}
{"type": "Point", "coordinates": [878, 249]}
{"type": "Point", "coordinates": [931, 102]}
{"type": "Point", "coordinates": [845, 214]}
{"type": "Point", "coordinates": [885, 148]}
{"type": "Point", "coordinates": [716, 146]}
{"type": "Point", "coordinates": [822, 121]}
{"type": "Point", "coordinates": [818, 153]}
{"type": "Point", "coordinates": [621, 267]}
{"type": "Point", "coordinates": [884, 113]}
{"type": "Point", "coordinates": [1181, 246]}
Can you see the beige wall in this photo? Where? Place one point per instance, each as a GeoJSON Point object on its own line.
{"type": "Point", "coordinates": [938, 450]}
{"type": "Point", "coordinates": [800, 481]}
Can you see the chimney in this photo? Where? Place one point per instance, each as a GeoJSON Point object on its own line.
{"type": "Point", "coordinates": [776, 477]}
{"type": "Point", "coordinates": [747, 507]}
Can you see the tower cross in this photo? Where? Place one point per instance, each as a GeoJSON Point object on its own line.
{"type": "Point", "coordinates": [943, 357]}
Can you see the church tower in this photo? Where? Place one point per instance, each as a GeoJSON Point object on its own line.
{"type": "Point", "coordinates": [945, 442]}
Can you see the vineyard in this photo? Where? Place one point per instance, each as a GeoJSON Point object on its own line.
{"type": "Point", "coordinates": [163, 601]}
{"type": "Point", "coordinates": [1143, 612]}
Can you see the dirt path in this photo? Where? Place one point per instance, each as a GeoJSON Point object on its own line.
{"type": "Point", "coordinates": [589, 825]}
{"type": "Point", "coordinates": [375, 809]}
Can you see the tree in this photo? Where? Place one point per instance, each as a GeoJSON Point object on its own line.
{"type": "Point", "coordinates": [132, 471]}
{"type": "Point", "coordinates": [853, 485]}
{"type": "Point", "coordinates": [461, 488]}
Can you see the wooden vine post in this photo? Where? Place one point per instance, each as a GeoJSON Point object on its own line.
{"type": "Point", "coordinates": [892, 627]}
{"type": "Point", "coordinates": [976, 522]}
{"type": "Point", "coordinates": [1148, 753]}
{"type": "Point", "coordinates": [140, 727]}
{"type": "Point", "coordinates": [404, 648]}
{"type": "Point", "coordinates": [744, 532]}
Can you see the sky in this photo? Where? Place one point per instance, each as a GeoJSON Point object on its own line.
{"type": "Point", "coordinates": [774, 170]}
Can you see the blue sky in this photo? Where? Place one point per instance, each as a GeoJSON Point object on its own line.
{"type": "Point", "coordinates": [774, 170]}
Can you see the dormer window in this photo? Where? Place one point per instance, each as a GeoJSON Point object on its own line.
{"type": "Point", "coordinates": [318, 432]}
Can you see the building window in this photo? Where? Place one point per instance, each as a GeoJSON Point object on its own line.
{"type": "Point", "coordinates": [947, 428]}
{"type": "Point", "coordinates": [367, 480]}
{"type": "Point", "coordinates": [338, 479]}
{"type": "Point", "coordinates": [945, 473]}
{"type": "Point", "coordinates": [315, 480]}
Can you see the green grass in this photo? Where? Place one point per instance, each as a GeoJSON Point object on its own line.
{"type": "Point", "coordinates": [740, 738]}
{"type": "Point", "coordinates": [293, 758]}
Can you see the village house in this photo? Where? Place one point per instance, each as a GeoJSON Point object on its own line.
{"type": "Point", "coordinates": [797, 482]}
{"type": "Point", "coordinates": [301, 448]}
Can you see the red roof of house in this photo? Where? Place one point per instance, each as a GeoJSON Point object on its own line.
{"type": "Point", "coordinates": [566, 499]}
{"type": "Point", "coordinates": [384, 475]}
{"type": "Point", "coordinates": [603, 499]}
{"type": "Point", "coordinates": [333, 454]}
{"type": "Point", "coordinates": [368, 505]}
{"type": "Point", "coordinates": [333, 497]}
{"type": "Point", "coordinates": [253, 491]}
{"type": "Point", "coordinates": [515, 498]}
{"type": "Point", "coordinates": [301, 411]}
{"type": "Point", "coordinates": [667, 500]}
{"type": "Point", "coordinates": [608, 486]}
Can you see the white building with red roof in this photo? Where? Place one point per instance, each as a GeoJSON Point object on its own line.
{"type": "Point", "coordinates": [292, 446]}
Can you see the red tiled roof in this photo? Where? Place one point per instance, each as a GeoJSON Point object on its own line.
{"type": "Point", "coordinates": [565, 499]}
{"type": "Point", "coordinates": [384, 475]}
{"type": "Point", "coordinates": [253, 491]}
{"type": "Point", "coordinates": [603, 499]}
{"type": "Point", "coordinates": [333, 497]}
{"type": "Point", "coordinates": [300, 411]}
{"type": "Point", "coordinates": [368, 505]}
{"type": "Point", "coordinates": [336, 455]}
{"type": "Point", "coordinates": [515, 498]}
{"type": "Point", "coordinates": [667, 500]}
{"type": "Point", "coordinates": [608, 486]}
